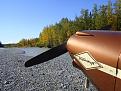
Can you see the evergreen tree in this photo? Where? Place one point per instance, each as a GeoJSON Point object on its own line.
{"type": "Point", "coordinates": [109, 13]}
{"type": "Point", "coordinates": [58, 33]}
{"type": "Point", "coordinates": [103, 16]}
{"type": "Point", "coordinates": [118, 14]}
{"type": "Point", "coordinates": [94, 17]}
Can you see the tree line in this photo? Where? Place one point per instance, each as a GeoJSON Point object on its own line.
{"type": "Point", "coordinates": [95, 19]}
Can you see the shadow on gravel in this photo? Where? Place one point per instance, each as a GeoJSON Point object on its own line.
{"type": "Point", "coordinates": [55, 75]}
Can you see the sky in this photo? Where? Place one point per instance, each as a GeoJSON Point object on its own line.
{"type": "Point", "coordinates": [26, 18]}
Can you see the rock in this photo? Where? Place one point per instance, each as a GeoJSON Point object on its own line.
{"type": "Point", "coordinates": [55, 75]}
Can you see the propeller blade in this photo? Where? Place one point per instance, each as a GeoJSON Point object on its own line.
{"type": "Point", "coordinates": [50, 54]}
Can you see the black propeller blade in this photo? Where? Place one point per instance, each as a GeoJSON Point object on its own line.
{"type": "Point", "coordinates": [50, 54]}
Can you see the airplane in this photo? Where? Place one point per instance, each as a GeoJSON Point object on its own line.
{"type": "Point", "coordinates": [96, 53]}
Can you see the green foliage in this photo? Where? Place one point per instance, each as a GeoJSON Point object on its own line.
{"type": "Point", "coordinates": [118, 14]}
{"type": "Point", "coordinates": [58, 33]}
{"type": "Point", "coordinates": [109, 13]}
{"type": "Point", "coordinates": [28, 43]}
{"type": "Point", "coordinates": [10, 45]}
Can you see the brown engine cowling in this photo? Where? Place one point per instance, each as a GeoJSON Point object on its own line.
{"type": "Point", "coordinates": [97, 53]}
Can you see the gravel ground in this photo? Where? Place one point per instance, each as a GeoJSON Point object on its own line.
{"type": "Point", "coordinates": [55, 75]}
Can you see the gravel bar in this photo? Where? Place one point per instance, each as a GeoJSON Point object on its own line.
{"type": "Point", "coordinates": [57, 74]}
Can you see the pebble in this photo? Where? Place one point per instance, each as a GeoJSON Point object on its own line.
{"type": "Point", "coordinates": [57, 74]}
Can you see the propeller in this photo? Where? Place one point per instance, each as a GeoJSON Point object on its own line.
{"type": "Point", "coordinates": [46, 56]}
{"type": "Point", "coordinates": [52, 53]}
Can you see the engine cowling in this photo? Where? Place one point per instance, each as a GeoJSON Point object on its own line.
{"type": "Point", "coordinates": [97, 54]}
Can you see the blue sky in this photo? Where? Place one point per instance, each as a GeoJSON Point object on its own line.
{"type": "Point", "coordinates": [26, 18]}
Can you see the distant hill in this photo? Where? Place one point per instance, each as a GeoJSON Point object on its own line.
{"type": "Point", "coordinates": [1, 45]}
{"type": "Point", "coordinates": [10, 45]}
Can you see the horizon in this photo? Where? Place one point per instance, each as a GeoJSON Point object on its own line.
{"type": "Point", "coordinates": [26, 19]}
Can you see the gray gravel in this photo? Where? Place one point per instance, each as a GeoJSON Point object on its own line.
{"type": "Point", "coordinates": [55, 75]}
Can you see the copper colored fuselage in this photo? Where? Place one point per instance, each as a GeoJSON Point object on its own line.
{"type": "Point", "coordinates": [105, 49]}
